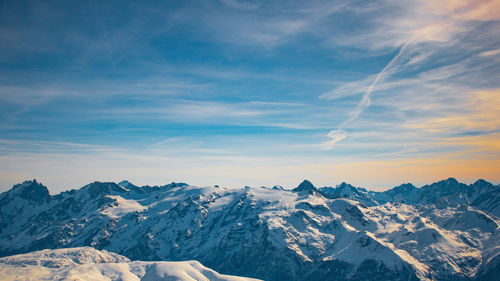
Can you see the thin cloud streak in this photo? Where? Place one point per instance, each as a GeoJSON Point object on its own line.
{"type": "Point", "coordinates": [431, 22]}
{"type": "Point", "coordinates": [490, 53]}
{"type": "Point", "coordinates": [225, 91]}
{"type": "Point", "coordinates": [339, 134]}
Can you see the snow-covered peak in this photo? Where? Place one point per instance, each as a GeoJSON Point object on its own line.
{"type": "Point", "coordinates": [448, 185]}
{"type": "Point", "coordinates": [60, 258]}
{"type": "Point", "coordinates": [175, 184]}
{"type": "Point", "coordinates": [126, 184]}
{"type": "Point", "coordinates": [405, 188]}
{"type": "Point", "coordinates": [87, 263]}
{"type": "Point", "coordinates": [278, 187]}
{"type": "Point", "coordinates": [31, 190]}
{"type": "Point", "coordinates": [305, 187]}
{"type": "Point", "coordinates": [345, 189]}
{"type": "Point", "coordinates": [96, 189]}
{"type": "Point", "coordinates": [405, 233]}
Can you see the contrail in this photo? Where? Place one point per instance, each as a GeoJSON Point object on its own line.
{"type": "Point", "coordinates": [339, 134]}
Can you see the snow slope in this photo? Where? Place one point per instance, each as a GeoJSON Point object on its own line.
{"type": "Point", "coordinates": [89, 264]}
{"type": "Point", "coordinates": [443, 231]}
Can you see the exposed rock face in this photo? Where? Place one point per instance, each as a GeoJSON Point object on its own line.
{"type": "Point", "coordinates": [305, 186]}
{"type": "Point", "coordinates": [30, 191]}
{"type": "Point", "coordinates": [443, 231]}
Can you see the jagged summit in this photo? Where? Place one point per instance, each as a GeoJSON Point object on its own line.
{"type": "Point", "coordinates": [431, 233]}
{"type": "Point", "coordinates": [278, 187]}
{"type": "Point", "coordinates": [31, 190]}
{"type": "Point", "coordinates": [175, 184]}
{"type": "Point", "coordinates": [103, 188]}
{"type": "Point", "coordinates": [450, 180]}
{"type": "Point", "coordinates": [347, 189]}
{"type": "Point", "coordinates": [405, 187]}
{"type": "Point", "coordinates": [126, 184]}
{"type": "Point", "coordinates": [481, 182]}
{"type": "Point", "coordinates": [305, 186]}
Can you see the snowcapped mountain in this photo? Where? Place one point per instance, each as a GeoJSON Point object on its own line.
{"type": "Point", "coordinates": [443, 231]}
{"type": "Point", "coordinates": [89, 264]}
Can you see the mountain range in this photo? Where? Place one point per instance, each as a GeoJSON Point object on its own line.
{"type": "Point", "coordinates": [442, 231]}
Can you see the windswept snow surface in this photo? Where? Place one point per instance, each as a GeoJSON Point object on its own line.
{"type": "Point", "coordinates": [89, 264]}
{"type": "Point", "coordinates": [443, 231]}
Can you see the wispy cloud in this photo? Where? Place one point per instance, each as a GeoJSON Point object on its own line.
{"type": "Point", "coordinates": [243, 5]}
{"type": "Point", "coordinates": [430, 23]}
{"type": "Point", "coordinates": [480, 114]}
{"type": "Point", "coordinates": [490, 53]}
{"type": "Point", "coordinates": [423, 21]}
{"type": "Point", "coordinates": [226, 91]}
{"type": "Point", "coordinates": [465, 10]}
{"type": "Point", "coordinates": [268, 25]}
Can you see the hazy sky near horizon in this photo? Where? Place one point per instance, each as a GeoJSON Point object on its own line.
{"type": "Point", "coordinates": [233, 92]}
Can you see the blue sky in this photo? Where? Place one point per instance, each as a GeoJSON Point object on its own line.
{"type": "Point", "coordinates": [375, 93]}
